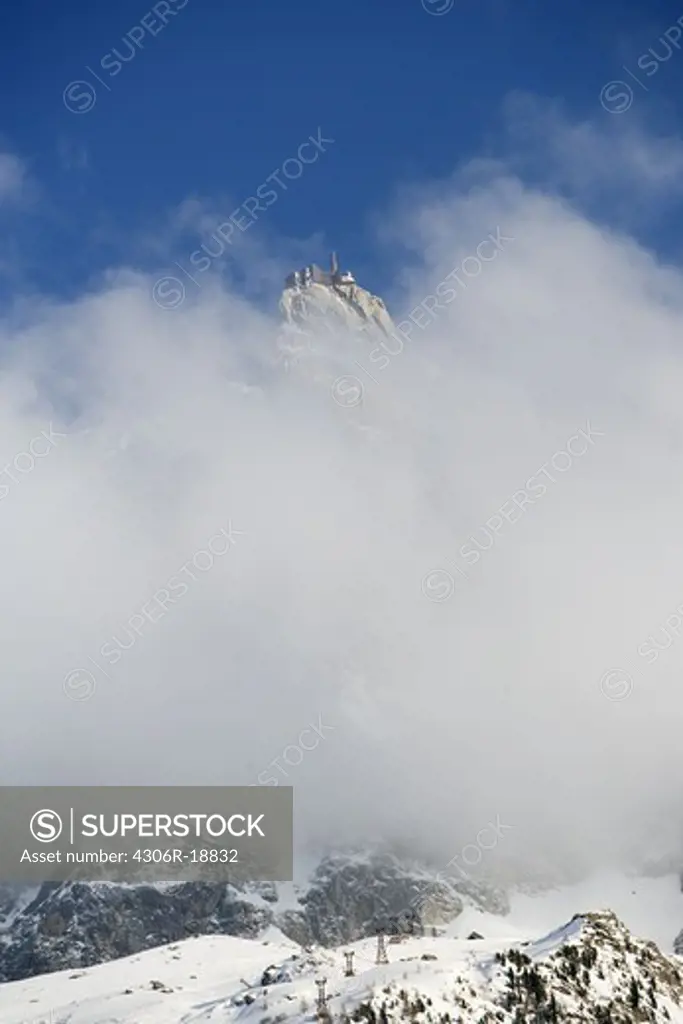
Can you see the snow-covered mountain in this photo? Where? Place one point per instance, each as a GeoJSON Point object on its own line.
{"type": "Point", "coordinates": [317, 299]}
{"type": "Point", "coordinates": [318, 306]}
{"type": "Point", "coordinates": [344, 898]}
{"type": "Point", "coordinates": [589, 969]}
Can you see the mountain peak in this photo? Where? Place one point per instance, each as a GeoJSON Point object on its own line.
{"type": "Point", "coordinates": [315, 301]}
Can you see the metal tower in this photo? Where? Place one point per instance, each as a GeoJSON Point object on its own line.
{"type": "Point", "coordinates": [321, 1004]}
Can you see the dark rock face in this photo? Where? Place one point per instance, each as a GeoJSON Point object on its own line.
{"type": "Point", "coordinates": [296, 926]}
{"type": "Point", "coordinates": [351, 899]}
{"type": "Point", "coordinates": [79, 924]}
{"type": "Point", "coordinates": [678, 944]}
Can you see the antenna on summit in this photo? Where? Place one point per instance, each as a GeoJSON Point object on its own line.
{"type": "Point", "coordinates": [334, 265]}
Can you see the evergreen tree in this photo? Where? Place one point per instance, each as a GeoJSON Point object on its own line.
{"type": "Point", "coordinates": [634, 994]}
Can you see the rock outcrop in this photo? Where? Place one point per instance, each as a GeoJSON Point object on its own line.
{"type": "Point", "coordinates": [320, 304]}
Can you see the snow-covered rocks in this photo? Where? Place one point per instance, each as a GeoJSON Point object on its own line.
{"type": "Point", "coordinates": [317, 307]}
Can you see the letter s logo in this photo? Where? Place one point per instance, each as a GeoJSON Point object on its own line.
{"type": "Point", "coordinates": [46, 826]}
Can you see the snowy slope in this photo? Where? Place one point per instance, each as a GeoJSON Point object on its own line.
{"type": "Point", "coordinates": [197, 975]}
{"type": "Point", "coordinates": [650, 907]}
{"type": "Point", "coordinates": [582, 965]}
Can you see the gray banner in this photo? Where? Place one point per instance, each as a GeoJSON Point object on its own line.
{"type": "Point", "coordinates": [146, 833]}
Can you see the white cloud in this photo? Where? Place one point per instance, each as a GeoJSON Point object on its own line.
{"type": "Point", "coordinates": [614, 159]}
{"type": "Point", "coordinates": [488, 703]}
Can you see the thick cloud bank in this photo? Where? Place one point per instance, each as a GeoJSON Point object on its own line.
{"type": "Point", "coordinates": [206, 552]}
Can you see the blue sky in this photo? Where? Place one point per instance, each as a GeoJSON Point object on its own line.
{"type": "Point", "coordinates": [217, 95]}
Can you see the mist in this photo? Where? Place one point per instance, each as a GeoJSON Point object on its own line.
{"type": "Point", "coordinates": [342, 499]}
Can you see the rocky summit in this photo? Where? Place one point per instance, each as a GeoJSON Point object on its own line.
{"type": "Point", "coordinates": [322, 304]}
